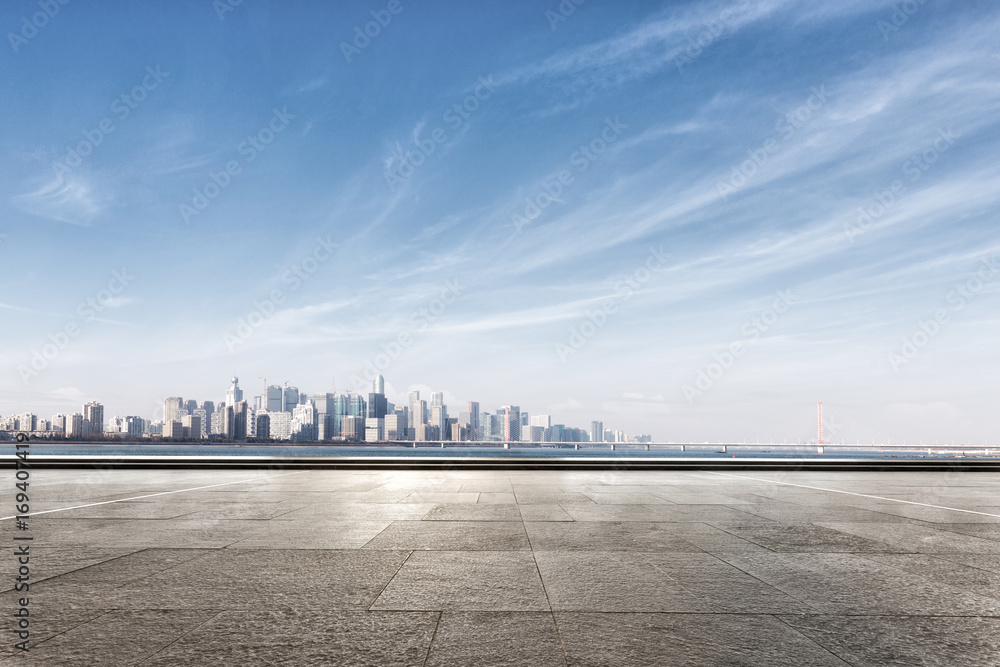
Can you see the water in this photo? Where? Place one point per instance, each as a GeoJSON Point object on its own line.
{"type": "Point", "coordinates": [806, 452]}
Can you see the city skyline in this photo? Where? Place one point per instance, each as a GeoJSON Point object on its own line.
{"type": "Point", "coordinates": [192, 417]}
{"type": "Point", "coordinates": [686, 218]}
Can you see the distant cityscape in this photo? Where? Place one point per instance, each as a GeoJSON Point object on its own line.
{"type": "Point", "coordinates": [283, 413]}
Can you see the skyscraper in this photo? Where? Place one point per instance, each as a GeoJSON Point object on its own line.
{"type": "Point", "coordinates": [235, 420]}
{"type": "Point", "coordinates": [291, 398]}
{"type": "Point", "coordinates": [234, 394]}
{"type": "Point", "coordinates": [171, 406]}
{"type": "Point", "coordinates": [272, 401]}
{"type": "Point", "coordinates": [511, 415]}
{"type": "Point", "coordinates": [377, 407]}
{"type": "Point", "coordinates": [93, 413]}
{"type": "Point", "coordinates": [472, 407]}
{"type": "Point", "coordinates": [596, 431]}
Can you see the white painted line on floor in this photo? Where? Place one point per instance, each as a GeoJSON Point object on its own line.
{"type": "Point", "coordinates": [151, 495]}
{"type": "Point", "coordinates": [851, 493]}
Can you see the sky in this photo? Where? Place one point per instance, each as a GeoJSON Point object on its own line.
{"type": "Point", "coordinates": [694, 220]}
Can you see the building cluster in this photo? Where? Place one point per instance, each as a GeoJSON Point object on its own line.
{"type": "Point", "coordinates": [85, 425]}
{"type": "Point", "coordinates": [285, 413]}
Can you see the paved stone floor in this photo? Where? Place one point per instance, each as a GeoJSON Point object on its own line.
{"type": "Point", "coordinates": [471, 568]}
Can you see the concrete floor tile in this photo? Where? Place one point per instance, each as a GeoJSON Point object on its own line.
{"type": "Point", "coordinates": [548, 512]}
{"type": "Point", "coordinates": [244, 579]}
{"type": "Point", "coordinates": [465, 581]}
{"type": "Point", "coordinates": [612, 582]}
{"type": "Point", "coordinates": [497, 498]}
{"type": "Point", "coordinates": [451, 536]}
{"type": "Point", "coordinates": [702, 640]}
{"type": "Point", "coordinates": [478, 512]}
{"type": "Point", "coordinates": [630, 536]}
{"type": "Point", "coordinates": [316, 637]}
{"type": "Point", "coordinates": [805, 537]}
{"type": "Point", "coordinates": [501, 639]}
{"type": "Point", "coordinates": [880, 641]}
{"type": "Point", "coordinates": [115, 638]}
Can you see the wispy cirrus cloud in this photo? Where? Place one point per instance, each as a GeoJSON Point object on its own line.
{"type": "Point", "coordinates": [69, 199]}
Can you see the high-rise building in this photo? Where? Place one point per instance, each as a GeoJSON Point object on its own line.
{"type": "Point", "coordinates": [377, 404]}
{"type": "Point", "coordinates": [133, 426]}
{"type": "Point", "coordinates": [439, 419]}
{"type": "Point", "coordinates": [472, 407]}
{"type": "Point", "coordinates": [190, 406]}
{"type": "Point", "coordinates": [59, 423]}
{"type": "Point", "coordinates": [290, 398]}
{"type": "Point", "coordinates": [304, 423]}
{"type": "Point", "coordinates": [173, 429]}
{"type": "Point", "coordinates": [356, 406]}
{"type": "Point", "coordinates": [235, 420]}
{"type": "Point", "coordinates": [203, 421]}
{"type": "Point", "coordinates": [395, 425]}
{"type": "Point", "coordinates": [544, 421]}
{"type": "Point", "coordinates": [532, 433]}
{"type": "Point", "coordinates": [596, 431]}
{"type": "Point", "coordinates": [263, 426]}
{"type": "Point", "coordinates": [74, 425]}
{"type": "Point", "coordinates": [418, 413]}
{"type": "Point", "coordinates": [374, 429]}
{"type": "Point", "coordinates": [425, 432]}
{"type": "Point", "coordinates": [353, 427]}
{"type": "Point", "coordinates": [234, 394]}
{"type": "Point", "coordinates": [414, 399]}
{"type": "Point", "coordinates": [191, 426]}
{"type": "Point", "coordinates": [511, 415]}
{"type": "Point", "coordinates": [26, 422]}
{"type": "Point", "coordinates": [93, 413]}
{"type": "Point", "coordinates": [280, 425]}
{"type": "Point", "coordinates": [209, 408]}
{"type": "Point", "coordinates": [274, 402]}
{"type": "Point", "coordinates": [171, 406]}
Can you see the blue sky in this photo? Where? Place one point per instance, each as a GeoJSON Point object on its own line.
{"type": "Point", "coordinates": [689, 219]}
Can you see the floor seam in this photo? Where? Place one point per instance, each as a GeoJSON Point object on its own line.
{"type": "Point", "coordinates": [408, 554]}
{"type": "Point", "coordinates": [163, 648]}
{"type": "Point", "coordinates": [430, 647]}
{"type": "Point", "coordinates": [545, 591]}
